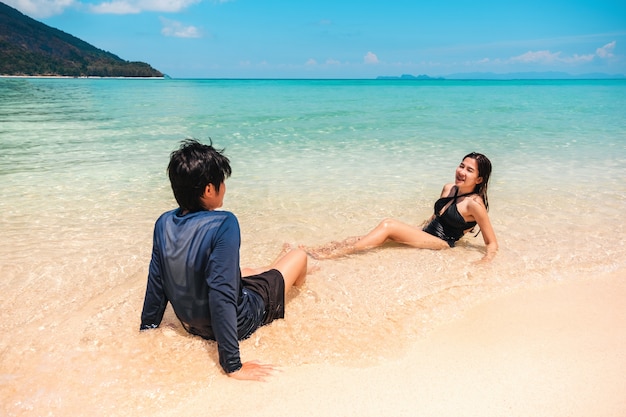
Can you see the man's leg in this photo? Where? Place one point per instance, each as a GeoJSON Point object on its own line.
{"type": "Point", "coordinates": [292, 264]}
{"type": "Point", "coordinates": [293, 267]}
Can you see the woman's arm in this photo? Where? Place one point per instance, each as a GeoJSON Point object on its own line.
{"type": "Point", "coordinates": [479, 212]}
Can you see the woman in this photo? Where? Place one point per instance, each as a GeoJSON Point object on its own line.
{"type": "Point", "coordinates": [462, 206]}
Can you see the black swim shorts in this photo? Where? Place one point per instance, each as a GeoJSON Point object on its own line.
{"type": "Point", "coordinates": [270, 285]}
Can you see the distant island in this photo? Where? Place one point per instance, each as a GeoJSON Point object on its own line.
{"type": "Point", "coordinates": [31, 48]}
{"type": "Point", "coordinates": [509, 76]}
{"type": "Point", "coordinates": [407, 77]}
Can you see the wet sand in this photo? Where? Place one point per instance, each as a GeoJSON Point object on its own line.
{"type": "Point", "coordinates": [531, 335]}
{"type": "Point", "coordinates": [553, 351]}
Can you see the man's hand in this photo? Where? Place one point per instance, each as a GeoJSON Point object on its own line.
{"type": "Point", "coordinates": [253, 371]}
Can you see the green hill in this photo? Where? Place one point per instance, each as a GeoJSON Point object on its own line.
{"type": "Point", "coordinates": [29, 47]}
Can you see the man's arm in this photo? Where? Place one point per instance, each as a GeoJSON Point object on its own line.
{"type": "Point", "coordinates": [155, 299]}
{"type": "Point", "coordinates": [223, 280]}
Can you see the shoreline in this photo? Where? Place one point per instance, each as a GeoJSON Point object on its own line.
{"type": "Point", "coordinates": [88, 77]}
{"type": "Point", "coordinates": [617, 77]}
{"type": "Point", "coordinates": [558, 350]}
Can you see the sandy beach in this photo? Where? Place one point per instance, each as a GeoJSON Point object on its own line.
{"type": "Point", "coordinates": [553, 351]}
{"type": "Point", "coordinates": [391, 332]}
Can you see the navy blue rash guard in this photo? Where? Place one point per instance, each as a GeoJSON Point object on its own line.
{"type": "Point", "coordinates": [195, 266]}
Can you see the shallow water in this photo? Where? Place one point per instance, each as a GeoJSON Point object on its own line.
{"type": "Point", "coordinates": [82, 170]}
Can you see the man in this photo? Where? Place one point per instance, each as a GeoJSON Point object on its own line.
{"type": "Point", "coordinates": [195, 264]}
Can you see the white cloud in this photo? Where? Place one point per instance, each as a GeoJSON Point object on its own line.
{"type": "Point", "coordinates": [311, 63]}
{"type": "Point", "coordinates": [543, 57]}
{"type": "Point", "coordinates": [115, 7]}
{"type": "Point", "coordinates": [138, 6]}
{"type": "Point", "coordinates": [547, 57]}
{"type": "Point", "coordinates": [178, 30]}
{"type": "Point", "coordinates": [577, 59]}
{"type": "Point", "coordinates": [370, 58]}
{"type": "Point", "coordinates": [40, 8]}
{"type": "Point", "coordinates": [606, 51]}
{"type": "Point", "coordinates": [47, 8]}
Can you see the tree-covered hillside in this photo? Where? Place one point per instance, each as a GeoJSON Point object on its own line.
{"type": "Point", "coordinates": [29, 47]}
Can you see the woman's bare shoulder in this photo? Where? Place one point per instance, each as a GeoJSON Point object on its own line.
{"type": "Point", "coordinates": [475, 200]}
{"type": "Point", "coordinates": [447, 188]}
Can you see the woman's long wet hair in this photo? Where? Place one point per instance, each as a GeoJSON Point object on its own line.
{"type": "Point", "coordinates": [484, 171]}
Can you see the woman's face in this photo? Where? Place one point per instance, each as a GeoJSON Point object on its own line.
{"type": "Point", "coordinates": [467, 174]}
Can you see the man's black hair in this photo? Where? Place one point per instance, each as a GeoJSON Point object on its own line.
{"type": "Point", "coordinates": [194, 166]}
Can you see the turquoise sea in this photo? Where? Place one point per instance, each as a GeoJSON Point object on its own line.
{"type": "Point", "coordinates": [82, 180]}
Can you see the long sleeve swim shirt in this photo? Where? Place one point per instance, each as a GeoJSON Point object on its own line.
{"type": "Point", "coordinates": [195, 266]}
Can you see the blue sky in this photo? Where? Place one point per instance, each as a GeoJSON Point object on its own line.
{"type": "Point", "coordinates": [347, 39]}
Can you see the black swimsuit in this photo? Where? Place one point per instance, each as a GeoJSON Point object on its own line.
{"type": "Point", "coordinates": [449, 225]}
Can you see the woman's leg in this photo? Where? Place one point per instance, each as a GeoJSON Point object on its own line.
{"type": "Point", "coordinates": [388, 229]}
{"type": "Point", "coordinates": [395, 230]}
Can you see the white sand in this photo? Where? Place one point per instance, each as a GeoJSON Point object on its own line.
{"type": "Point", "coordinates": [557, 351]}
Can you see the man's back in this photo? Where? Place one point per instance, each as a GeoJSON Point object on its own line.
{"type": "Point", "coordinates": [195, 266]}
